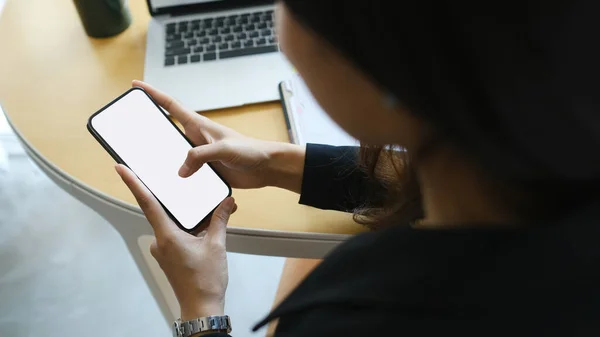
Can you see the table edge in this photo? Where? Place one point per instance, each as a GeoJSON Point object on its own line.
{"type": "Point", "coordinates": [49, 168]}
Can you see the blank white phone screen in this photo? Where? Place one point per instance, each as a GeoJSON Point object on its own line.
{"type": "Point", "coordinates": [154, 150]}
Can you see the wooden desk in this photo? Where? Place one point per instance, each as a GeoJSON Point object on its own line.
{"type": "Point", "coordinates": [52, 77]}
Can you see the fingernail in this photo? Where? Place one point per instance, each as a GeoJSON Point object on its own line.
{"type": "Point", "coordinates": [118, 169]}
{"type": "Point", "coordinates": [229, 202]}
{"type": "Point", "coordinates": [184, 171]}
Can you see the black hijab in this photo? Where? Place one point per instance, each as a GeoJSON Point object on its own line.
{"type": "Point", "coordinates": [514, 83]}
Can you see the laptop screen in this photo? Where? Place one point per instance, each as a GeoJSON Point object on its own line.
{"type": "Point", "coordinates": [157, 4]}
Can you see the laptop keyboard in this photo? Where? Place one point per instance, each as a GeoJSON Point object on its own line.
{"type": "Point", "coordinates": [218, 38]}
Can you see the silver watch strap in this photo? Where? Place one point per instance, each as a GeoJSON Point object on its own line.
{"type": "Point", "coordinates": [202, 324]}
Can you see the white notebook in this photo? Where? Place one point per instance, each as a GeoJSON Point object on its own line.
{"type": "Point", "coordinates": [307, 122]}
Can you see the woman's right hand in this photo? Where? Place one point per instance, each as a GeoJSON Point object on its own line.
{"type": "Point", "coordinates": [243, 162]}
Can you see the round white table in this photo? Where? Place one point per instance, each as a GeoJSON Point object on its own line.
{"type": "Point", "coordinates": [53, 77]}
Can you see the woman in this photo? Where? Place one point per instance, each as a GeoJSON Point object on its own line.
{"type": "Point", "coordinates": [480, 175]}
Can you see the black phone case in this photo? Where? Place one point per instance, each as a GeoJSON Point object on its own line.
{"type": "Point", "coordinates": [118, 159]}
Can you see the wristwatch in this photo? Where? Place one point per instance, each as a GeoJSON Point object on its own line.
{"type": "Point", "coordinates": [202, 324]}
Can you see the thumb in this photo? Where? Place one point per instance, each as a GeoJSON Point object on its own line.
{"type": "Point", "coordinates": [217, 229]}
{"type": "Point", "coordinates": [156, 215]}
{"type": "Point", "coordinates": [202, 154]}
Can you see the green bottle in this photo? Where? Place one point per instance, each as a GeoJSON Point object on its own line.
{"type": "Point", "coordinates": [103, 18]}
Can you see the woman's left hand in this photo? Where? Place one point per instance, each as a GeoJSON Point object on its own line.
{"type": "Point", "coordinates": [195, 265]}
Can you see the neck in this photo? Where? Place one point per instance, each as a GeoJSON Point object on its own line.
{"type": "Point", "coordinates": [457, 194]}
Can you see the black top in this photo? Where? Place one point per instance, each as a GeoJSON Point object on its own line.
{"type": "Point", "coordinates": [538, 281]}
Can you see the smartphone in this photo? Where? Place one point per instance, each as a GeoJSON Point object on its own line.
{"type": "Point", "coordinates": [137, 133]}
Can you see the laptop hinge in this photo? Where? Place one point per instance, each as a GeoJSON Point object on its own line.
{"type": "Point", "coordinates": [214, 6]}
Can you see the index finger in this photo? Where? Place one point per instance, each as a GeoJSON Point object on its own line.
{"type": "Point", "coordinates": [156, 215]}
{"type": "Point", "coordinates": [183, 115]}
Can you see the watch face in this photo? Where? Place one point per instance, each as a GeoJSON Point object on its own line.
{"type": "Point", "coordinates": [176, 331]}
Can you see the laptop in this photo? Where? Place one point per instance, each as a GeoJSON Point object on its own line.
{"type": "Point", "coordinates": [212, 54]}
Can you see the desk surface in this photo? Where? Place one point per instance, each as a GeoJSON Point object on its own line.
{"type": "Point", "coordinates": [53, 77]}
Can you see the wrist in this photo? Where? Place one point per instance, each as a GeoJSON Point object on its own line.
{"type": "Point", "coordinates": [286, 166]}
{"type": "Point", "coordinates": [189, 312]}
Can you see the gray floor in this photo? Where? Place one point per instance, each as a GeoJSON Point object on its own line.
{"type": "Point", "coordinates": [64, 271]}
